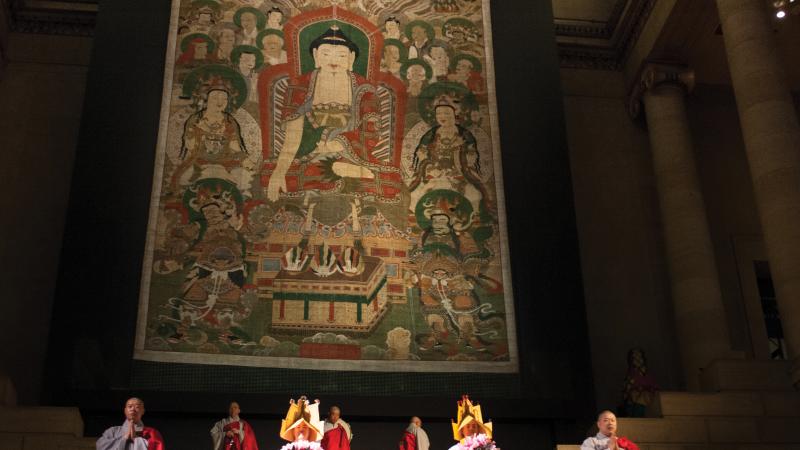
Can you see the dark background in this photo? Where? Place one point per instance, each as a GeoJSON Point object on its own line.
{"type": "Point", "coordinates": [91, 344]}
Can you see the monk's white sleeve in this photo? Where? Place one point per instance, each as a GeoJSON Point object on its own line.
{"type": "Point", "coordinates": [112, 439]}
{"type": "Point", "coordinates": [217, 435]}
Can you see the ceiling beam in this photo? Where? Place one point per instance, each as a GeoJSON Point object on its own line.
{"type": "Point", "coordinates": [62, 17]}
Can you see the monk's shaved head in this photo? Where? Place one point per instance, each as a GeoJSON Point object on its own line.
{"type": "Point", "coordinates": [134, 409]}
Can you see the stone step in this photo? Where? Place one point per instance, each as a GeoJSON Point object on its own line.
{"type": "Point", "coordinates": [726, 404]}
{"type": "Point", "coordinates": [55, 442]}
{"type": "Point", "coordinates": [667, 431]}
{"type": "Point", "coordinates": [747, 375]}
{"type": "Point", "coordinates": [712, 430]}
{"type": "Point", "coordinates": [16, 441]}
{"type": "Point", "coordinates": [780, 429]}
{"type": "Point", "coordinates": [84, 444]}
{"type": "Point", "coordinates": [41, 419]}
{"type": "Point", "coordinates": [667, 404]}
{"type": "Point", "coordinates": [785, 404]}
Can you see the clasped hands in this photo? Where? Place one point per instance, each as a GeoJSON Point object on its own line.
{"type": "Point", "coordinates": [131, 431]}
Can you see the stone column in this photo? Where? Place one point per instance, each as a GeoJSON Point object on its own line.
{"type": "Point", "coordinates": [700, 317]}
{"type": "Point", "coordinates": [772, 141]}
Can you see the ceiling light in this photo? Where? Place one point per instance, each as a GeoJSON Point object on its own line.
{"type": "Point", "coordinates": [780, 14]}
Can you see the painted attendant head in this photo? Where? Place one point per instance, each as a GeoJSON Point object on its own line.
{"type": "Point", "coordinates": [274, 18]}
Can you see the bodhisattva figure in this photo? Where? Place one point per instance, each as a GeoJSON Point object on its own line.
{"type": "Point", "coordinates": [212, 136]}
{"type": "Point", "coordinates": [447, 158]}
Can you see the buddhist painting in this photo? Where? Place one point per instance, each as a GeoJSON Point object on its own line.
{"type": "Point", "coordinates": [328, 190]}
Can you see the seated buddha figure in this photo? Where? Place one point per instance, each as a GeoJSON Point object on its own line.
{"type": "Point", "coordinates": [333, 159]}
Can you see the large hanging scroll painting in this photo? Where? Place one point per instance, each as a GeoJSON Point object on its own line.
{"type": "Point", "coordinates": [328, 191]}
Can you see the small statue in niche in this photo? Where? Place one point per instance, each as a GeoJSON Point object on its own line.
{"type": "Point", "coordinates": [640, 387]}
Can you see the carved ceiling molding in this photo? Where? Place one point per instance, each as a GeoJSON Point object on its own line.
{"type": "Point", "coordinates": [61, 17]}
{"type": "Point", "coordinates": [603, 45]}
{"type": "Point", "coordinates": [591, 29]}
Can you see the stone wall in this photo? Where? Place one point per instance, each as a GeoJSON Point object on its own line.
{"type": "Point", "coordinates": [626, 282]}
{"type": "Point", "coordinates": [625, 277]}
{"type": "Point", "coordinates": [41, 97]}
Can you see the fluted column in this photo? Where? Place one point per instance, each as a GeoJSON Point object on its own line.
{"type": "Point", "coordinates": [697, 299]}
{"type": "Point", "coordinates": [772, 141]}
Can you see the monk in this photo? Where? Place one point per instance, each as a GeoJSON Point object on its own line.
{"type": "Point", "coordinates": [132, 434]}
{"type": "Point", "coordinates": [607, 438]}
{"type": "Point", "coordinates": [233, 433]}
{"type": "Point", "coordinates": [414, 438]}
{"type": "Point", "coordinates": [337, 432]}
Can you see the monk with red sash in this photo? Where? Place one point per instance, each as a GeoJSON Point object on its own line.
{"type": "Point", "coordinates": [233, 433]}
{"type": "Point", "coordinates": [132, 435]}
{"type": "Point", "coordinates": [337, 432]}
{"type": "Point", "coordinates": [606, 438]}
{"type": "Point", "coordinates": [414, 438]}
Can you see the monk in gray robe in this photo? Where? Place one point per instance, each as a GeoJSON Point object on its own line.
{"type": "Point", "coordinates": [132, 434]}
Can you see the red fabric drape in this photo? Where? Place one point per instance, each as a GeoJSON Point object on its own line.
{"type": "Point", "coordinates": [249, 438]}
{"type": "Point", "coordinates": [626, 444]}
{"type": "Point", "coordinates": [231, 443]}
{"type": "Point", "coordinates": [335, 439]}
{"type": "Point", "coordinates": [408, 442]}
{"type": "Point", "coordinates": [153, 438]}
{"type": "Point", "coordinates": [249, 442]}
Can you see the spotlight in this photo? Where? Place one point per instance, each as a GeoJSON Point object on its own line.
{"type": "Point", "coordinates": [780, 14]}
